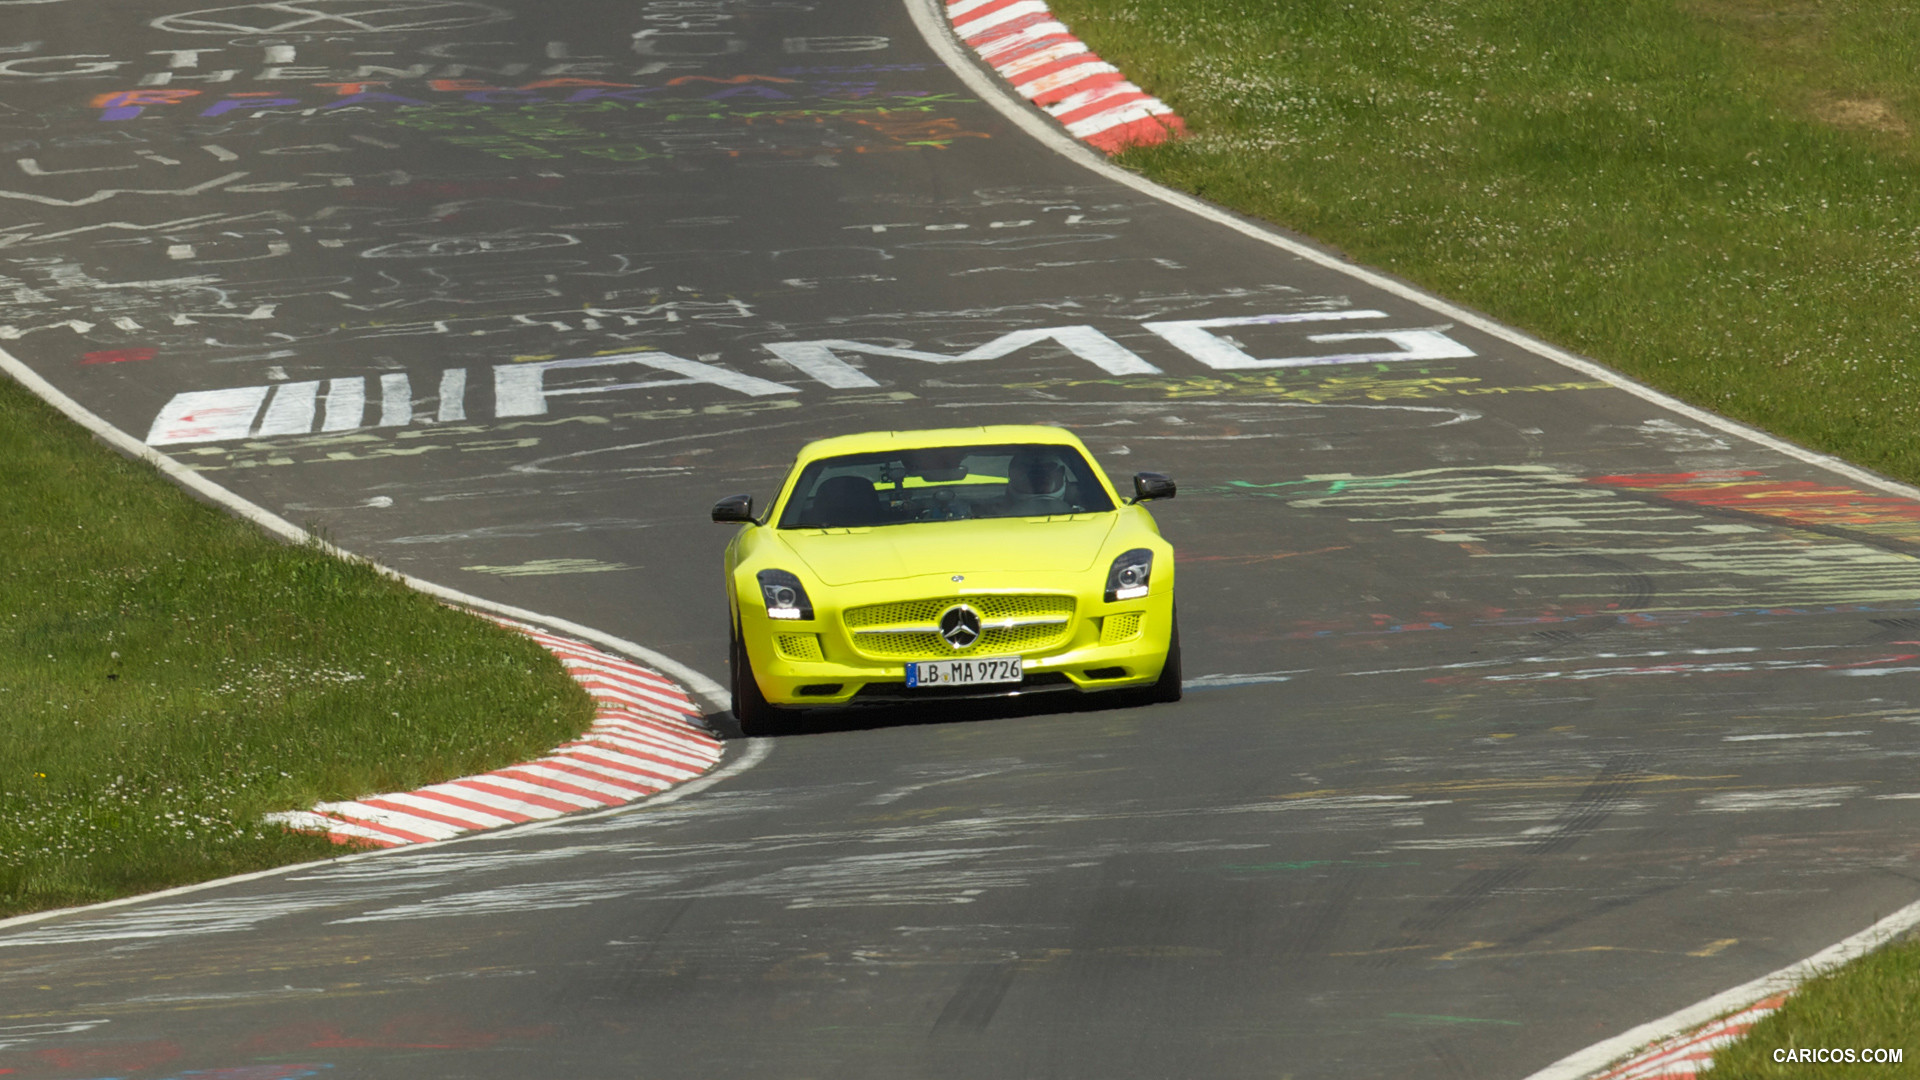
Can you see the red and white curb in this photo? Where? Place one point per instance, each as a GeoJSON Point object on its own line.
{"type": "Point", "coordinates": [645, 738]}
{"type": "Point", "coordinates": [1050, 67]}
{"type": "Point", "coordinates": [1682, 1044]}
{"type": "Point", "coordinates": [1685, 1056]}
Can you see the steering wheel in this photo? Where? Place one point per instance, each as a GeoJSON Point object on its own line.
{"type": "Point", "coordinates": [945, 508]}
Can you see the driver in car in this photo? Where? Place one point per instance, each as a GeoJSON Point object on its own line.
{"type": "Point", "coordinates": [1037, 485]}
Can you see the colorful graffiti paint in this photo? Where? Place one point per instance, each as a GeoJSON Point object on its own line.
{"type": "Point", "coordinates": [1804, 504]}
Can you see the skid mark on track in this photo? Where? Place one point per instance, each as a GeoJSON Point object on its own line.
{"type": "Point", "coordinates": [1608, 789]}
{"type": "Point", "coordinates": [972, 1006]}
{"type": "Point", "coordinates": [1309, 930]}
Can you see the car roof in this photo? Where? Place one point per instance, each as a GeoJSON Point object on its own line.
{"type": "Point", "coordinates": [991, 434]}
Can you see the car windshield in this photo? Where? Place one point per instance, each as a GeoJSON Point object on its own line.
{"type": "Point", "coordinates": [944, 483]}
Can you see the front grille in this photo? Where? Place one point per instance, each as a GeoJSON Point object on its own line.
{"type": "Point", "coordinates": [927, 644]}
{"type": "Point", "coordinates": [990, 606]}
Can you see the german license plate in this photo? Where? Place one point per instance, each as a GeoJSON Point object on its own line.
{"type": "Point", "coordinates": [974, 672]}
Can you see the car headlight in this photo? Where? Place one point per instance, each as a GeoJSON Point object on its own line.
{"type": "Point", "coordinates": [1127, 579]}
{"type": "Point", "coordinates": [786, 598]}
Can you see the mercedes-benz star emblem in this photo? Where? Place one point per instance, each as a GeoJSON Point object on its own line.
{"type": "Point", "coordinates": [960, 625]}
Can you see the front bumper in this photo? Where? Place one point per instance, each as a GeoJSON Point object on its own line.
{"type": "Point", "coordinates": [825, 667]}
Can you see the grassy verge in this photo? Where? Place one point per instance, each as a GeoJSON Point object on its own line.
{"type": "Point", "coordinates": [1715, 196]}
{"type": "Point", "coordinates": [167, 675]}
{"type": "Point", "coordinates": [1871, 1004]}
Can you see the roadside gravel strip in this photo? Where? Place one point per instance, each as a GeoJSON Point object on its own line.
{"type": "Point", "coordinates": [1050, 67]}
{"type": "Point", "coordinates": [645, 738]}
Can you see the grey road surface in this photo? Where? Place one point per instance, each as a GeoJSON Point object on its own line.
{"type": "Point", "coordinates": [1521, 710]}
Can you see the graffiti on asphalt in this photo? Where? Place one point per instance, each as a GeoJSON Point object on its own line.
{"type": "Point", "coordinates": [1805, 504]}
{"type": "Point", "coordinates": [1547, 530]}
{"type": "Point", "coordinates": [1308, 385]}
{"type": "Point", "coordinates": [527, 388]}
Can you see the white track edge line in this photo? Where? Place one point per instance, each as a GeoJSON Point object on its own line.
{"type": "Point", "coordinates": [934, 27]}
{"type": "Point", "coordinates": [1586, 1063]}
{"type": "Point", "coordinates": [938, 33]}
{"type": "Point", "coordinates": [711, 692]}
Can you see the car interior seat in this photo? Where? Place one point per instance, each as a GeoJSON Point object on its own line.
{"type": "Point", "coordinates": [845, 500]}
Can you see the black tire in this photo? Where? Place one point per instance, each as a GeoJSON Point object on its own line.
{"type": "Point", "coordinates": [1166, 689]}
{"type": "Point", "coordinates": [750, 706]}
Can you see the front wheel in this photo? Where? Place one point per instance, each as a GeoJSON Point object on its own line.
{"type": "Point", "coordinates": [1167, 688]}
{"type": "Point", "coordinates": [749, 704]}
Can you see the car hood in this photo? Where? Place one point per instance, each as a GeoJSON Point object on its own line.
{"type": "Point", "coordinates": [1035, 545]}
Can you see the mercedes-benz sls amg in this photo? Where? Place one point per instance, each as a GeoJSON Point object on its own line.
{"type": "Point", "coordinates": [964, 562]}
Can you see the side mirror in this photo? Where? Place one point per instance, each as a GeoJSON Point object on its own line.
{"type": "Point", "coordinates": [734, 509]}
{"type": "Point", "coordinates": [1152, 485]}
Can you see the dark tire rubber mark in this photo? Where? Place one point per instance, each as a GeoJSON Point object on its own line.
{"type": "Point", "coordinates": [1892, 630]}
{"type": "Point", "coordinates": [1580, 818]}
{"type": "Point", "coordinates": [1309, 933]}
{"type": "Point", "coordinates": [1633, 590]}
{"type": "Point", "coordinates": [1574, 918]}
{"type": "Point", "coordinates": [971, 1007]}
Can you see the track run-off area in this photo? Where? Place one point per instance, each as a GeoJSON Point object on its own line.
{"type": "Point", "coordinates": [1523, 709]}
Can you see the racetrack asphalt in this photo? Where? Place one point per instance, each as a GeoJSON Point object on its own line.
{"type": "Point", "coordinates": [1523, 710]}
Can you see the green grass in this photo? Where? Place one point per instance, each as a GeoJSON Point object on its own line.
{"type": "Point", "coordinates": [168, 674]}
{"type": "Point", "coordinates": [1718, 199]}
{"type": "Point", "coordinates": [1873, 1003]}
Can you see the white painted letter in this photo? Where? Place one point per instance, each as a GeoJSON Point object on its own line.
{"type": "Point", "coordinates": [655, 43]}
{"type": "Point", "coordinates": [844, 44]}
{"type": "Point", "coordinates": [1193, 338]}
{"type": "Point", "coordinates": [96, 64]}
{"type": "Point", "coordinates": [207, 416]}
{"type": "Point", "coordinates": [291, 412]}
{"type": "Point", "coordinates": [453, 394]}
{"type": "Point", "coordinates": [396, 400]}
{"type": "Point", "coordinates": [520, 389]}
{"type": "Point", "coordinates": [818, 360]}
{"type": "Point", "coordinates": [346, 404]}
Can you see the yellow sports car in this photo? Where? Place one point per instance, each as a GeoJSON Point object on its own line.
{"type": "Point", "coordinates": [902, 566]}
